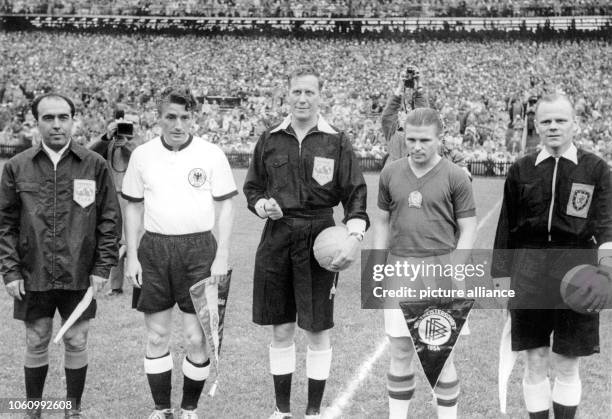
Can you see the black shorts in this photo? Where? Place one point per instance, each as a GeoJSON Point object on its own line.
{"type": "Point", "coordinates": [574, 334]}
{"type": "Point", "coordinates": [289, 280]}
{"type": "Point", "coordinates": [39, 304]}
{"type": "Point", "coordinates": [170, 266]}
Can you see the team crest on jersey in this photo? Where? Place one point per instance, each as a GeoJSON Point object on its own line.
{"type": "Point", "coordinates": [580, 200]}
{"type": "Point", "coordinates": [197, 177]}
{"type": "Point", "coordinates": [84, 192]}
{"type": "Point", "coordinates": [415, 199]}
{"type": "Point", "coordinates": [323, 170]}
{"type": "Point", "coordinates": [435, 327]}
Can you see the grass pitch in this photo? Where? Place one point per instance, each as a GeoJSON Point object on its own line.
{"type": "Point", "coordinates": [117, 388]}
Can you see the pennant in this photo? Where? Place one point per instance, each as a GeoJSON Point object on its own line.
{"type": "Point", "coordinates": [210, 302]}
{"type": "Point", "coordinates": [435, 327]}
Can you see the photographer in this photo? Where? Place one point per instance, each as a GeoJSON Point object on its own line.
{"type": "Point", "coordinates": [392, 128]}
{"type": "Point", "coordinates": [116, 145]}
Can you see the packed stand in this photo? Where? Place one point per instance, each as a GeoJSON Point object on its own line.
{"type": "Point", "coordinates": [472, 84]}
{"type": "Point", "coordinates": [314, 8]}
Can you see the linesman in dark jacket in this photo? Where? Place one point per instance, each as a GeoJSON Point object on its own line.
{"type": "Point", "coordinates": [559, 198]}
{"type": "Point", "coordinates": [60, 226]}
{"type": "Point", "coordinates": [300, 170]}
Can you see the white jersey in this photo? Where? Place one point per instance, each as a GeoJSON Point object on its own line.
{"type": "Point", "coordinates": [178, 186]}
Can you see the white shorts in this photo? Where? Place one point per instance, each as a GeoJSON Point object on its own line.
{"type": "Point", "coordinates": [395, 324]}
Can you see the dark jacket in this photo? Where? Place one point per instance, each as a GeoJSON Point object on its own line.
{"type": "Point", "coordinates": [47, 238]}
{"type": "Point", "coordinates": [320, 173]}
{"type": "Point", "coordinates": [582, 211]}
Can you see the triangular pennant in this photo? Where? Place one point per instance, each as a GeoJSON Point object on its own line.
{"type": "Point", "coordinates": [435, 327]}
{"type": "Point", "coordinates": [210, 302]}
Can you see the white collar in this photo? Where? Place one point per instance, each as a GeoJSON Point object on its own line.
{"type": "Point", "coordinates": [570, 154]}
{"type": "Point", "coordinates": [55, 156]}
{"type": "Point", "coordinates": [322, 125]}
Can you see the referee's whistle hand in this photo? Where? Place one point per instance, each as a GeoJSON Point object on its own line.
{"type": "Point", "coordinates": [347, 254]}
{"type": "Point", "coordinates": [273, 210]}
{"type": "Point", "coordinates": [133, 271]}
{"type": "Point", "coordinates": [16, 289]}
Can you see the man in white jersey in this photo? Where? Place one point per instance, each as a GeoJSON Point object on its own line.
{"type": "Point", "coordinates": [177, 183]}
{"type": "Point", "coordinates": [424, 201]}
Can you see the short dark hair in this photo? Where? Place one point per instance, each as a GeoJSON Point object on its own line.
{"type": "Point", "coordinates": [305, 70]}
{"type": "Point", "coordinates": [37, 100]}
{"type": "Point", "coordinates": [178, 95]}
{"type": "Point", "coordinates": [425, 117]}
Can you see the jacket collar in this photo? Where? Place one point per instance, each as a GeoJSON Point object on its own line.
{"type": "Point", "coordinates": [570, 154]}
{"type": "Point", "coordinates": [322, 125]}
{"type": "Point", "coordinates": [76, 149]}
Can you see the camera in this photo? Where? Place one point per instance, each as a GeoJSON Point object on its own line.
{"type": "Point", "coordinates": [410, 76]}
{"type": "Point", "coordinates": [125, 129]}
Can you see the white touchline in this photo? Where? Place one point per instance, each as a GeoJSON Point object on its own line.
{"type": "Point", "coordinates": [335, 410]}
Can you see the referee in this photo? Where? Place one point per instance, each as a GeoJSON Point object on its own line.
{"type": "Point", "coordinates": [301, 169]}
{"type": "Point", "coordinates": [558, 198]}
{"type": "Point", "coordinates": [178, 184]}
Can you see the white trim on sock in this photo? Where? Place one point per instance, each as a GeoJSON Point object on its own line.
{"type": "Point", "coordinates": [318, 363]}
{"type": "Point", "coordinates": [447, 412]}
{"type": "Point", "coordinates": [158, 365]}
{"type": "Point", "coordinates": [537, 396]}
{"type": "Point", "coordinates": [398, 409]}
{"type": "Point", "coordinates": [567, 394]}
{"type": "Point", "coordinates": [193, 372]}
{"type": "Point", "coordinates": [282, 360]}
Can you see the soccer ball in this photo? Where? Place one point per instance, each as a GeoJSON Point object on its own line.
{"type": "Point", "coordinates": [327, 245]}
{"type": "Point", "coordinates": [582, 280]}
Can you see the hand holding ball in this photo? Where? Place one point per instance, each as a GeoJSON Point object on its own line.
{"type": "Point", "coordinates": [328, 245]}
{"type": "Point", "coordinates": [587, 289]}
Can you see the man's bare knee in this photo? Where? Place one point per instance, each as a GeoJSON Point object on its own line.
{"type": "Point", "coordinates": [401, 353]}
{"type": "Point", "coordinates": [319, 341]}
{"type": "Point", "coordinates": [76, 342]}
{"type": "Point", "coordinates": [567, 368]}
{"type": "Point", "coordinates": [158, 342]}
{"type": "Point", "coordinates": [536, 367]}
{"type": "Point", "coordinates": [282, 334]}
{"type": "Point", "coordinates": [38, 335]}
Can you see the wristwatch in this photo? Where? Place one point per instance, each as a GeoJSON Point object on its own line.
{"type": "Point", "coordinates": [358, 235]}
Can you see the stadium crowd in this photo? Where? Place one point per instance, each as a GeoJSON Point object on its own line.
{"type": "Point", "coordinates": [313, 8]}
{"type": "Point", "coordinates": [472, 84]}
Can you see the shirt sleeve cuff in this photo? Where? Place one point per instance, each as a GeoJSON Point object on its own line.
{"type": "Point", "coordinates": [226, 196]}
{"type": "Point", "coordinates": [356, 225]}
{"type": "Point", "coordinates": [101, 272]}
{"type": "Point", "coordinates": [131, 198]}
{"type": "Point", "coordinates": [12, 276]}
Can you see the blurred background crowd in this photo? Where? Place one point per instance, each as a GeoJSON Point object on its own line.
{"type": "Point", "coordinates": [480, 88]}
{"type": "Point", "coordinates": [313, 8]}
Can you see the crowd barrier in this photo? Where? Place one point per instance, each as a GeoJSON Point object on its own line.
{"type": "Point", "coordinates": [368, 164]}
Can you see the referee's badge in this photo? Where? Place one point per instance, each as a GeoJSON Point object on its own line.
{"type": "Point", "coordinates": [197, 177]}
{"type": "Point", "coordinates": [580, 200]}
{"type": "Point", "coordinates": [415, 199]}
{"type": "Point", "coordinates": [323, 170]}
{"type": "Point", "coordinates": [84, 192]}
